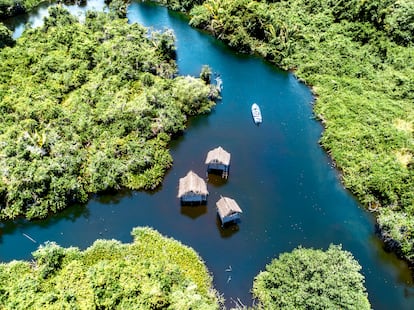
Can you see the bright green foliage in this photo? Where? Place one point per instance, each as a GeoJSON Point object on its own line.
{"type": "Point", "coordinates": [88, 107]}
{"type": "Point", "coordinates": [358, 56]}
{"type": "Point", "coordinates": [119, 7]}
{"type": "Point", "coordinates": [312, 279]}
{"type": "Point", "coordinates": [153, 272]}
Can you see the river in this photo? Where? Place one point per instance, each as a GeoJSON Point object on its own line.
{"type": "Point", "coordinates": [285, 183]}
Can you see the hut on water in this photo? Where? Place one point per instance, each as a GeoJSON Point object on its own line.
{"type": "Point", "coordinates": [218, 160]}
{"type": "Point", "coordinates": [192, 189]}
{"type": "Point", "coordinates": [228, 210]}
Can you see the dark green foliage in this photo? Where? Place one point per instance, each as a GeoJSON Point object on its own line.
{"type": "Point", "coordinates": [86, 108]}
{"type": "Point", "coordinates": [10, 7]}
{"type": "Point", "coordinates": [312, 279]}
{"type": "Point", "coordinates": [6, 36]}
{"type": "Point", "coordinates": [400, 22]}
{"type": "Point", "coordinates": [118, 7]}
{"type": "Point", "coordinates": [181, 5]}
{"type": "Point", "coordinates": [165, 42]}
{"type": "Point", "coordinates": [153, 272]}
{"type": "Point", "coordinates": [205, 74]}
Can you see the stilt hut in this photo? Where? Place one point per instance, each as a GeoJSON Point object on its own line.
{"type": "Point", "coordinates": [192, 189]}
{"type": "Point", "coordinates": [218, 160]}
{"type": "Point", "coordinates": [228, 210]}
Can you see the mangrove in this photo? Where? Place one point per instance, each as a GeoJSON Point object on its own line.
{"type": "Point", "coordinates": [88, 107]}
{"type": "Point", "coordinates": [152, 272]}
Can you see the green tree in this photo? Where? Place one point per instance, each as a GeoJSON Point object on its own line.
{"type": "Point", "coordinates": [12, 7]}
{"type": "Point", "coordinates": [6, 36]}
{"type": "Point", "coordinates": [88, 107]}
{"type": "Point", "coordinates": [312, 279]}
{"type": "Point", "coordinates": [152, 272]}
{"type": "Point", "coordinates": [400, 23]}
{"type": "Point", "coordinates": [205, 74]}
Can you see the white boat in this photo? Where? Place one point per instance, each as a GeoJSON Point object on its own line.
{"type": "Point", "coordinates": [257, 115]}
{"type": "Point", "coordinates": [219, 83]}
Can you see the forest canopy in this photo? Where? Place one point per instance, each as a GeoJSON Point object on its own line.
{"type": "Point", "coordinates": [10, 8]}
{"type": "Point", "coordinates": [358, 57]}
{"type": "Point", "coordinates": [155, 272]}
{"type": "Point", "coordinates": [152, 272]}
{"type": "Point", "coordinates": [88, 107]}
{"type": "Point", "coordinates": [312, 279]}
{"type": "Point", "coordinates": [6, 36]}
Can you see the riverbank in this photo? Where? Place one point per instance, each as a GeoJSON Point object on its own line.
{"type": "Point", "coordinates": [89, 121]}
{"type": "Point", "coordinates": [152, 272]}
{"type": "Point", "coordinates": [11, 8]}
{"type": "Point", "coordinates": [360, 69]}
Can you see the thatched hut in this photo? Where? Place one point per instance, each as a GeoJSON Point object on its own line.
{"type": "Point", "coordinates": [192, 189]}
{"type": "Point", "coordinates": [218, 160]}
{"type": "Point", "coordinates": [228, 210]}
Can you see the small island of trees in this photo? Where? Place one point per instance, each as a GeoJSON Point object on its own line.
{"type": "Point", "coordinates": [155, 272]}
{"type": "Point", "coordinates": [312, 279]}
{"type": "Point", "coordinates": [88, 107]}
{"type": "Point", "coordinates": [152, 272]}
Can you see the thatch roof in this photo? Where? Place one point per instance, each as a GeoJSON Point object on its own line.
{"type": "Point", "coordinates": [192, 183]}
{"type": "Point", "coordinates": [227, 206]}
{"type": "Point", "coordinates": [218, 155]}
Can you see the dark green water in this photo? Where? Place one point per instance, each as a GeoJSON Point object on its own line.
{"type": "Point", "coordinates": [281, 178]}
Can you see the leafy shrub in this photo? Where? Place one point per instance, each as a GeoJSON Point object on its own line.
{"type": "Point", "coordinates": [358, 58]}
{"type": "Point", "coordinates": [312, 279]}
{"type": "Point", "coordinates": [153, 272]}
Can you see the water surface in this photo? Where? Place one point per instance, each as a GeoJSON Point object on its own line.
{"type": "Point", "coordinates": [281, 178]}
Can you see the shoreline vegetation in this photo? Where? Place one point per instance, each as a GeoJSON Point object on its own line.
{"type": "Point", "coordinates": [152, 272]}
{"type": "Point", "coordinates": [89, 107]}
{"type": "Point", "coordinates": [358, 58]}
{"type": "Point", "coordinates": [156, 272]}
{"type": "Point", "coordinates": [10, 8]}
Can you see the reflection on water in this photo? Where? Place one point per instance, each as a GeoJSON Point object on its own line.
{"type": "Point", "coordinates": [194, 211]}
{"type": "Point", "coordinates": [228, 229]}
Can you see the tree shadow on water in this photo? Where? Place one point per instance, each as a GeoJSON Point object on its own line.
{"type": "Point", "coordinates": [112, 196]}
{"type": "Point", "coordinates": [228, 229]}
{"type": "Point", "coordinates": [193, 211]}
{"type": "Point", "coordinates": [72, 214]}
{"type": "Point", "coordinates": [216, 179]}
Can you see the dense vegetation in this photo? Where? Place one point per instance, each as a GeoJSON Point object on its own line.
{"type": "Point", "coordinates": [153, 272]}
{"type": "Point", "coordinates": [359, 58]}
{"type": "Point", "coordinates": [312, 279]}
{"type": "Point", "coordinates": [9, 8]}
{"type": "Point", "coordinates": [15, 7]}
{"type": "Point", "coordinates": [6, 36]}
{"type": "Point", "coordinates": [88, 107]}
